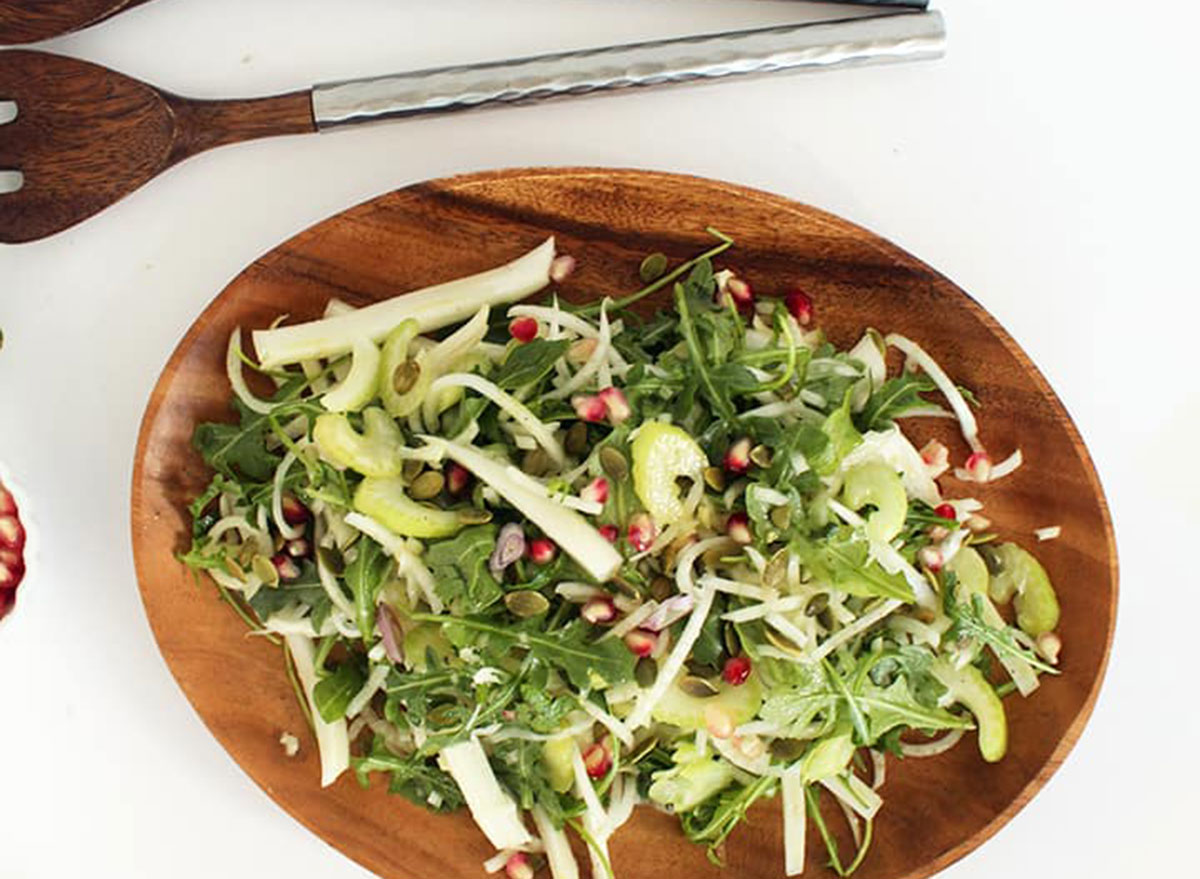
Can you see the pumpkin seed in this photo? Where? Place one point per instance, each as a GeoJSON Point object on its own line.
{"type": "Point", "coordinates": [265, 570]}
{"type": "Point", "coordinates": [442, 716]}
{"type": "Point", "coordinates": [576, 441]}
{"type": "Point", "coordinates": [674, 548]}
{"type": "Point", "coordinates": [817, 604]}
{"type": "Point", "coordinates": [474, 516]}
{"type": "Point", "coordinates": [406, 375]}
{"type": "Point", "coordinates": [581, 351]}
{"type": "Point", "coordinates": [626, 587]}
{"type": "Point", "coordinates": [761, 456]}
{"type": "Point", "coordinates": [641, 750]}
{"type": "Point", "coordinates": [781, 517]}
{"type": "Point", "coordinates": [526, 603]}
{"type": "Point", "coordinates": [787, 750]}
{"type": "Point", "coordinates": [536, 462]}
{"type": "Point", "coordinates": [428, 485]}
{"type": "Point", "coordinates": [661, 588]}
{"type": "Point", "coordinates": [733, 644]}
{"type": "Point", "coordinates": [653, 267]}
{"type": "Point", "coordinates": [784, 644]}
{"type": "Point", "coordinates": [411, 469]}
{"type": "Point", "coordinates": [775, 573]}
{"type": "Point", "coordinates": [614, 463]}
{"type": "Point", "coordinates": [697, 688]}
{"type": "Point", "coordinates": [331, 559]}
{"type": "Point", "coordinates": [645, 672]}
{"type": "Point", "coordinates": [714, 478]}
{"type": "Point", "coordinates": [234, 568]}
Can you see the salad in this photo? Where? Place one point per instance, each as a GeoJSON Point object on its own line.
{"type": "Point", "coordinates": [549, 561]}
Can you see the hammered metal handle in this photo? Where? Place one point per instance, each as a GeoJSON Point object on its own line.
{"type": "Point", "coordinates": [812, 46]}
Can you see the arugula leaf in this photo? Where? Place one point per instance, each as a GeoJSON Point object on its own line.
{"type": "Point", "coordinates": [416, 691]}
{"type": "Point", "coordinates": [843, 437]}
{"type": "Point", "coordinates": [364, 577]}
{"type": "Point", "coordinates": [237, 450]}
{"type": "Point", "coordinates": [305, 589]}
{"type": "Point", "coordinates": [415, 777]}
{"type": "Point", "coordinates": [843, 559]}
{"type": "Point", "coordinates": [894, 706]}
{"type": "Point", "coordinates": [529, 363]}
{"type": "Point", "coordinates": [460, 567]}
{"type": "Point", "coordinates": [892, 400]}
{"type": "Point", "coordinates": [717, 398]}
{"type": "Point", "coordinates": [587, 664]}
{"type": "Point", "coordinates": [969, 623]}
{"type": "Point", "coordinates": [541, 711]}
{"type": "Point", "coordinates": [713, 820]}
{"type": "Point", "coordinates": [735, 379]}
{"type": "Point", "coordinates": [333, 693]}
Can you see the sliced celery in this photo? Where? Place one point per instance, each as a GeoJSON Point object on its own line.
{"type": "Point", "coordinates": [386, 501]}
{"type": "Point", "coordinates": [374, 452]}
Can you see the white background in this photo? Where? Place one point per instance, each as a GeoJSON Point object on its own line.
{"type": "Point", "coordinates": [1046, 165]}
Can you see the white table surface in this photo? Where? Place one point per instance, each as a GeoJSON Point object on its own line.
{"type": "Point", "coordinates": [1046, 165]}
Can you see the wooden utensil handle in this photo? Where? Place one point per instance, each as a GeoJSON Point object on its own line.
{"type": "Point", "coordinates": [202, 125]}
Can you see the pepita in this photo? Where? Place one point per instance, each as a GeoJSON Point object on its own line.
{"type": "Point", "coordinates": [614, 464]}
{"type": "Point", "coordinates": [576, 441]}
{"type": "Point", "coordinates": [641, 750]}
{"type": "Point", "coordinates": [428, 485]}
{"type": "Point", "coordinates": [404, 379]}
{"type": "Point", "coordinates": [761, 456]}
{"type": "Point", "coordinates": [411, 469]}
{"type": "Point", "coordinates": [775, 573]}
{"type": "Point", "coordinates": [536, 462]}
{"type": "Point", "coordinates": [332, 559]}
{"type": "Point", "coordinates": [645, 672]}
{"type": "Point", "coordinates": [697, 688]}
{"type": "Point", "coordinates": [661, 588]}
{"type": "Point", "coordinates": [714, 478]}
{"type": "Point", "coordinates": [781, 517]}
{"type": "Point", "coordinates": [733, 644]}
{"type": "Point", "coordinates": [787, 750]}
{"type": "Point", "coordinates": [526, 603]}
{"type": "Point", "coordinates": [653, 267]}
{"type": "Point", "coordinates": [817, 604]}
{"type": "Point", "coordinates": [265, 570]}
{"type": "Point", "coordinates": [474, 516]}
{"type": "Point", "coordinates": [784, 644]}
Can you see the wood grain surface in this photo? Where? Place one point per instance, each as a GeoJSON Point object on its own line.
{"type": "Point", "coordinates": [27, 21]}
{"type": "Point", "coordinates": [86, 136]}
{"type": "Point", "coordinates": [936, 810]}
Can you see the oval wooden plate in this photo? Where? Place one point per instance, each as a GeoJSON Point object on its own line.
{"type": "Point", "coordinates": [937, 809]}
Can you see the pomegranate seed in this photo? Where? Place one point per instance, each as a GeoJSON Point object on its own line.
{"type": "Point", "coordinates": [737, 670]}
{"type": "Point", "coordinates": [979, 465]}
{"type": "Point", "coordinates": [642, 532]}
{"type": "Point", "coordinates": [8, 504]}
{"type": "Point", "coordinates": [287, 568]}
{"type": "Point", "coordinates": [737, 456]}
{"type": "Point", "coordinates": [931, 557]}
{"type": "Point", "coordinates": [294, 512]}
{"type": "Point", "coordinates": [738, 528]}
{"type": "Point", "coordinates": [10, 576]}
{"type": "Point", "coordinates": [611, 533]}
{"type": "Point", "coordinates": [640, 642]}
{"type": "Point", "coordinates": [523, 329]}
{"type": "Point", "coordinates": [542, 551]}
{"type": "Point", "coordinates": [751, 747]}
{"type": "Point", "coordinates": [12, 535]}
{"type": "Point", "coordinates": [457, 477]}
{"type": "Point", "coordinates": [595, 491]}
{"type": "Point", "coordinates": [946, 511]}
{"type": "Point", "coordinates": [599, 610]}
{"type": "Point", "coordinates": [737, 290]}
{"type": "Point", "coordinates": [581, 351]}
{"type": "Point", "coordinates": [298, 548]}
{"type": "Point", "coordinates": [800, 306]}
{"type": "Point", "coordinates": [976, 522]}
{"type": "Point", "coordinates": [935, 454]}
{"type": "Point", "coordinates": [561, 268]}
{"type": "Point", "coordinates": [589, 408]}
{"type": "Point", "coordinates": [616, 404]}
{"type": "Point", "coordinates": [518, 867]}
{"type": "Point", "coordinates": [597, 761]}
{"type": "Point", "coordinates": [718, 722]}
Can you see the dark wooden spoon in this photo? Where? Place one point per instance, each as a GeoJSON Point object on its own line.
{"type": "Point", "coordinates": [84, 136]}
{"type": "Point", "coordinates": [27, 21]}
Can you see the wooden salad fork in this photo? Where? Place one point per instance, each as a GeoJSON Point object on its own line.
{"type": "Point", "coordinates": [33, 20]}
{"type": "Point", "coordinates": [76, 137]}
